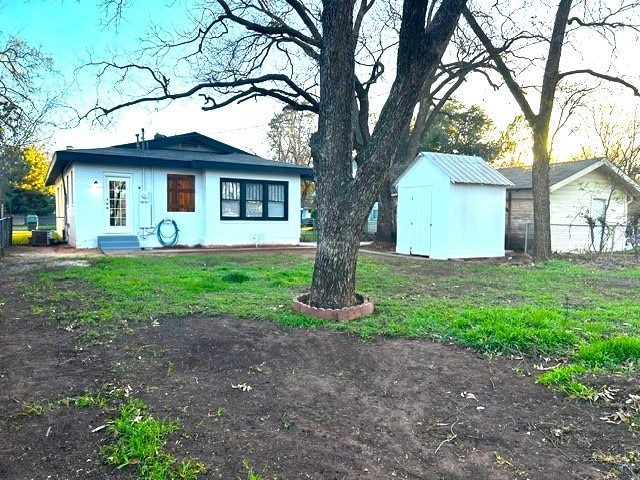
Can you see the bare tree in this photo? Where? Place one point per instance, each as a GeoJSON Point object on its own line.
{"type": "Point", "coordinates": [570, 19]}
{"type": "Point", "coordinates": [246, 49]}
{"type": "Point", "coordinates": [617, 137]}
{"type": "Point", "coordinates": [289, 138]}
{"type": "Point", "coordinates": [24, 104]}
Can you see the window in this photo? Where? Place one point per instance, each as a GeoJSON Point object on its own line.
{"type": "Point", "coordinates": [253, 200]}
{"type": "Point", "coordinates": [253, 205]}
{"type": "Point", "coordinates": [181, 193]}
{"type": "Point", "coordinates": [277, 200]}
{"type": "Point", "coordinates": [230, 199]}
{"type": "Point", "coordinates": [598, 208]}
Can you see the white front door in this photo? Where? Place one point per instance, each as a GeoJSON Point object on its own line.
{"type": "Point", "coordinates": [118, 204]}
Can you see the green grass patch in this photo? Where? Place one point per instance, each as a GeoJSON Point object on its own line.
{"type": "Point", "coordinates": [566, 379]}
{"type": "Point", "coordinates": [610, 352]}
{"type": "Point", "coordinates": [584, 313]}
{"type": "Point", "coordinates": [137, 440]}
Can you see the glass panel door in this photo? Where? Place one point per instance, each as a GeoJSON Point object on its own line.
{"type": "Point", "coordinates": [117, 205]}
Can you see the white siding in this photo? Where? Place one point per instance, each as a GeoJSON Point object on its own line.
{"type": "Point", "coordinates": [420, 212]}
{"type": "Point", "coordinates": [477, 227]}
{"type": "Point", "coordinates": [248, 232]}
{"type": "Point", "coordinates": [571, 204]}
{"type": "Point", "coordinates": [88, 215]}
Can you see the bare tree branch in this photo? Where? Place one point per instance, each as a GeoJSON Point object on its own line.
{"type": "Point", "coordinates": [603, 76]}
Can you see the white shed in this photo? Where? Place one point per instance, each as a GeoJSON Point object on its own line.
{"type": "Point", "coordinates": [451, 206]}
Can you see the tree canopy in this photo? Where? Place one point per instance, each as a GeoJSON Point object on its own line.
{"type": "Point", "coordinates": [24, 105]}
{"type": "Point", "coordinates": [462, 130]}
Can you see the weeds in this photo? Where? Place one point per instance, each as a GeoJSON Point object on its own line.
{"type": "Point", "coordinates": [85, 401]}
{"type": "Point", "coordinates": [611, 352]}
{"type": "Point", "coordinates": [138, 439]}
{"type": "Point", "coordinates": [251, 474]}
{"type": "Point", "coordinates": [31, 409]}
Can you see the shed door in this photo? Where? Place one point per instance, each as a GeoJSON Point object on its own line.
{"type": "Point", "coordinates": [419, 216]}
{"type": "Point", "coordinates": [118, 204]}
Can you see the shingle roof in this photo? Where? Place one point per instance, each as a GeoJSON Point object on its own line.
{"type": "Point", "coordinates": [466, 169]}
{"type": "Point", "coordinates": [521, 176]}
{"type": "Point", "coordinates": [225, 157]}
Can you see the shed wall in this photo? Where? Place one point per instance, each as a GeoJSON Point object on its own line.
{"type": "Point", "coordinates": [442, 220]}
{"type": "Point", "coordinates": [477, 221]}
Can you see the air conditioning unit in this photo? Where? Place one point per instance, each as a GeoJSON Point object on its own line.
{"type": "Point", "coordinates": [39, 238]}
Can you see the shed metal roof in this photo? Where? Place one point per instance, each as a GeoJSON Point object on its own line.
{"type": "Point", "coordinates": [466, 169]}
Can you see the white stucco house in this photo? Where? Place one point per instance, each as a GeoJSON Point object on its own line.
{"type": "Point", "coordinates": [180, 190]}
{"type": "Point", "coordinates": [451, 206]}
{"type": "Point", "coordinates": [580, 191]}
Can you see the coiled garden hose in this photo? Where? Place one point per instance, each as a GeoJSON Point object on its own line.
{"type": "Point", "coordinates": [167, 240]}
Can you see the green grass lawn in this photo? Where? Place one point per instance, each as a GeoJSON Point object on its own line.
{"type": "Point", "coordinates": [583, 316]}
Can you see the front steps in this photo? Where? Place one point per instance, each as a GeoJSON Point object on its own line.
{"type": "Point", "coordinates": [118, 243]}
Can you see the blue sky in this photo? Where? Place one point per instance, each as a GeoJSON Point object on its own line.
{"type": "Point", "coordinates": [69, 30]}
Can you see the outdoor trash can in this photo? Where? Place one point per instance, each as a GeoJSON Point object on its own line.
{"type": "Point", "coordinates": [32, 222]}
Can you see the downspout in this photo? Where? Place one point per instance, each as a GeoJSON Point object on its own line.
{"type": "Point", "coordinates": [65, 236]}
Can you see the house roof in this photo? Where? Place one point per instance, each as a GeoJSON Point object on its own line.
{"type": "Point", "coordinates": [561, 174]}
{"type": "Point", "coordinates": [464, 169]}
{"type": "Point", "coordinates": [191, 150]}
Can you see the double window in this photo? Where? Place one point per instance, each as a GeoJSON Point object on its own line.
{"type": "Point", "coordinates": [253, 200]}
{"type": "Point", "coordinates": [181, 193]}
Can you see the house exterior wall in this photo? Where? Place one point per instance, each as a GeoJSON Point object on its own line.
{"type": "Point", "coordinates": [518, 213]}
{"type": "Point", "coordinates": [87, 215]}
{"type": "Point", "coordinates": [572, 203]}
{"type": "Point", "coordinates": [569, 206]}
{"type": "Point", "coordinates": [247, 232]}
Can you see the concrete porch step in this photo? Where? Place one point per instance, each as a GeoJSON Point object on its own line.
{"type": "Point", "coordinates": [107, 243]}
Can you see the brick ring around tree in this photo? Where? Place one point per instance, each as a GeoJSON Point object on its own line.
{"type": "Point", "coordinates": [365, 307]}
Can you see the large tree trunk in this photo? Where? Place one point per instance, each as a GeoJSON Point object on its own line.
{"type": "Point", "coordinates": [333, 284]}
{"type": "Point", "coordinates": [540, 127]}
{"type": "Point", "coordinates": [541, 201]}
{"type": "Point", "coordinates": [386, 223]}
{"type": "Point", "coordinates": [344, 201]}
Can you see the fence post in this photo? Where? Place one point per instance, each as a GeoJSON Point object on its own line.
{"type": "Point", "coordinates": [526, 237]}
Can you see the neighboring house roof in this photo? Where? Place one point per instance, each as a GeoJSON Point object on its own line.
{"type": "Point", "coordinates": [561, 174]}
{"type": "Point", "coordinates": [465, 169]}
{"type": "Point", "coordinates": [191, 150]}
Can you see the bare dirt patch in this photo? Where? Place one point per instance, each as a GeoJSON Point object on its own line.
{"type": "Point", "coordinates": [321, 405]}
